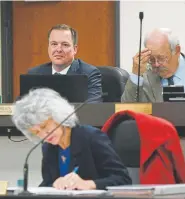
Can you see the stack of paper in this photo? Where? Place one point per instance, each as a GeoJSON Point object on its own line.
{"type": "Point", "coordinates": [131, 191]}
{"type": "Point", "coordinates": [148, 189]}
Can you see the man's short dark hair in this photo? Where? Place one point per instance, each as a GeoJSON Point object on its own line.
{"type": "Point", "coordinates": [74, 33]}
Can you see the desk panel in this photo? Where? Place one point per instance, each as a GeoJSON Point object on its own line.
{"type": "Point", "coordinates": [173, 112]}
{"type": "Point", "coordinates": [97, 114]}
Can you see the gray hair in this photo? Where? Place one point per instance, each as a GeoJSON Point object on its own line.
{"type": "Point", "coordinates": [172, 39]}
{"type": "Point", "coordinates": [39, 105]}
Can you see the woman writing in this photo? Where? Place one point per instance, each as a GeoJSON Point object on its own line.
{"type": "Point", "coordinates": [74, 156]}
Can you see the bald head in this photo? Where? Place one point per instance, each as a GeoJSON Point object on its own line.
{"type": "Point", "coordinates": [161, 36]}
{"type": "Point", "coordinates": [165, 51]}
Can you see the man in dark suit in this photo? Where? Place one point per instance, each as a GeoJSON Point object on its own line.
{"type": "Point", "coordinates": [62, 48]}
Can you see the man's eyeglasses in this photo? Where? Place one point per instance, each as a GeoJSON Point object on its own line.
{"type": "Point", "coordinates": [160, 60]}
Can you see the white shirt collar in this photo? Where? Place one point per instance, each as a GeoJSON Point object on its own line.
{"type": "Point", "coordinates": [63, 72]}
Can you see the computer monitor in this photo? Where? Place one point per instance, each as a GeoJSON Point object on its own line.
{"type": "Point", "coordinates": [72, 87]}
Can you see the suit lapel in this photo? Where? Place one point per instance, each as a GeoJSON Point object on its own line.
{"type": "Point", "coordinates": [47, 69]}
{"type": "Point", "coordinates": [74, 69]}
{"type": "Point", "coordinates": [155, 84]}
{"type": "Point", "coordinates": [76, 149]}
{"type": "Point", "coordinates": [53, 161]}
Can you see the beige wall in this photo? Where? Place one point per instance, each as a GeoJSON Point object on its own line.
{"type": "Point", "coordinates": [12, 156]}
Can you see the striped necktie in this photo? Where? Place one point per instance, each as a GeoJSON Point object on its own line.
{"type": "Point", "coordinates": [170, 81]}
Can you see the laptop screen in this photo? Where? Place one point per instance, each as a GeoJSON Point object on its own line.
{"type": "Point", "coordinates": [72, 87]}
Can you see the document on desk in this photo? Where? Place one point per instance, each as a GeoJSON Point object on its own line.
{"type": "Point", "coordinates": [154, 189]}
{"type": "Point", "coordinates": [131, 191]}
{"type": "Point", "coordinates": [53, 191]}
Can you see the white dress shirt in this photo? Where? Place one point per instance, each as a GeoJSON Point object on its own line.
{"type": "Point", "coordinates": [63, 72]}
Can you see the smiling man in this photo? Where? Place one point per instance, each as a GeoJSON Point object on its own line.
{"type": "Point", "coordinates": [62, 48]}
{"type": "Point", "coordinates": [162, 64]}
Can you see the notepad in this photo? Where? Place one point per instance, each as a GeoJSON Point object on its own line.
{"type": "Point", "coordinates": [53, 191]}
{"type": "Point", "coordinates": [3, 187]}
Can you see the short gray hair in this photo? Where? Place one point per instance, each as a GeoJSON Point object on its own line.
{"type": "Point", "coordinates": [39, 105]}
{"type": "Point", "coordinates": [172, 39]}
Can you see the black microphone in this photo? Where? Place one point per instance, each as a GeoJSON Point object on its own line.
{"type": "Point", "coordinates": [141, 16]}
{"type": "Point", "coordinates": [26, 168]}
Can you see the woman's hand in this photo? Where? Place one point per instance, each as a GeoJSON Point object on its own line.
{"type": "Point", "coordinates": [73, 181]}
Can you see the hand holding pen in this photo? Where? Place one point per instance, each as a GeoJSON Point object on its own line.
{"type": "Point", "coordinates": [73, 181]}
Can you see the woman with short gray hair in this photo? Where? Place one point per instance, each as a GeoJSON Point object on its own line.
{"type": "Point", "coordinates": [38, 106]}
{"type": "Point", "coordinates": [74, 156]}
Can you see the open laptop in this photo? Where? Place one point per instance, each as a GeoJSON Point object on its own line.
{"type": "Point", "coordinates": [72, 87]}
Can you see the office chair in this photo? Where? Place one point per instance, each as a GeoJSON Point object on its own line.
{"type": "Point", "coordinates": [148, 146]}
{"type": "Point", "coordinates": [126, 141]}
{"type": "Point", "coordinates": [113, 82]}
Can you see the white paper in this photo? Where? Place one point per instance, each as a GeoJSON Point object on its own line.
{"type": "Point", "coordinates": [53, 191]}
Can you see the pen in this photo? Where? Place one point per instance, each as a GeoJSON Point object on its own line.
{"type": "Point", "coordinates": [75, 170]}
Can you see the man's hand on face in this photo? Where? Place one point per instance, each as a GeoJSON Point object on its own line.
{"type": "Point", "coordinates": [145, 55]}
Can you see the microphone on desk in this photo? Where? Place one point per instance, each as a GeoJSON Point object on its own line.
{"type": "Point", "coordinates": [141, 16]}
{"type": "Point", "coordinates": [26, 168]}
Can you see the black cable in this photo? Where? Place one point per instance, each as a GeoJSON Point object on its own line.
{"type": "Point", "coordinates": [9, 137]}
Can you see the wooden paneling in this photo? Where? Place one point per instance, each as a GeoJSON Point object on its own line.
{"type": "Point", "coordinates": [94, 22]}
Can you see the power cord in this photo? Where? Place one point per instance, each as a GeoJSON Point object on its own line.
{"type": "Point", "coordinates": [9, 136]}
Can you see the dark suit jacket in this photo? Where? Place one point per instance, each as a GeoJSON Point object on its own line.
{"type": "Point", "coordinates": [92, 151]}
{"type": "Point", "coordinates": [78, 67]}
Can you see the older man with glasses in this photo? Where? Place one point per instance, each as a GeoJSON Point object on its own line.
{"type": "Point", "coordinates": [161, 64]}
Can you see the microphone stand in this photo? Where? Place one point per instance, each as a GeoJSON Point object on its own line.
{"type": "Point", "coordinates": [141, 15]}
